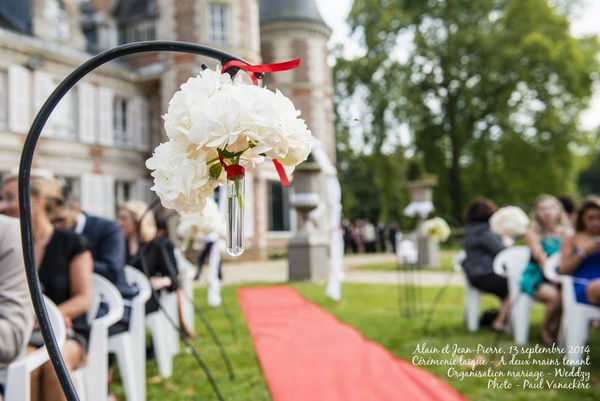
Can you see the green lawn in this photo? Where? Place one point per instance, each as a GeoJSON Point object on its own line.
{"type": "Point", "coordinates": [373, 310]}
{"type": "Point", "coordinates": [446, 257]}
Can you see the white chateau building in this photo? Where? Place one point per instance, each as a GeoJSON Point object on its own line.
{"type": "Point", "coordinates": [100, 135]}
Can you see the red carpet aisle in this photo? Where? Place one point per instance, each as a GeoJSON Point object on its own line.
{"type": "Point", "coordinates": [306, 354]}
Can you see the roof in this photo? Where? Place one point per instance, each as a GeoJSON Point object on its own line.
{"type": "Point", "coordinates": [290, 10]}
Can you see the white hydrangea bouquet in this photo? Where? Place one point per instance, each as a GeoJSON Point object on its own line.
{"type": "Point", "coordinates": [509, 222]}
{"type": "Point", "coordinates": [194, 228]}
{"type": "Point", "coordinates": [436, 228]}
{"type": "Point", "coordinates": [217, 125]}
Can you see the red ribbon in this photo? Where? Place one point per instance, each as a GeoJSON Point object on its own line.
{"type": "Point", "coordinates": [286, 65]}
{"type": "Point", "coordinates": [282, 175]}
{"type": "Point", "coordinates": [232, 169]}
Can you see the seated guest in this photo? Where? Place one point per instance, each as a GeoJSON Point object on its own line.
{"type": "Point", "coordinates": [570, 206]}
{"type": "Point", "coordinates": [16, 313]}
{"type": "Point", "coordinates": [580, 253]}
{"type": "Point", "coordinates": [144, 251]}
{"type": "Point", "coordinates": [549, 226]}
{"type": "Point", "coordinates": [65, 272]}
{"type": "Point", "coordinates": [481, 247]}
{"type": "Point", "coordinates": [108, 249]}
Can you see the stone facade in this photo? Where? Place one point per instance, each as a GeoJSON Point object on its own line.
{"type": "Point", "coordinates": [102, 132]}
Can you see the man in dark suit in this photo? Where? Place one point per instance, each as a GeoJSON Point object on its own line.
{"type": "Point", "coordinates": [107, 246]}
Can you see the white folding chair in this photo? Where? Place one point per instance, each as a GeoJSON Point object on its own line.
{"type": "Point", "coordinates": [511, 263]}
{"type": "Point", "coordinates": [187, 271]}
{"type": "Point", "coordinates": [472, 295]}
{"type": "Point", "coordinates": [163, 332]}
{"type": "Point", "coordinates": [129, 347]}
{"type": "Point", "coordinates": [92, 379]}
{"type": "Point", "coordinates": [18, 379]}
{"type": "Point", "coordinates": [576, 316]}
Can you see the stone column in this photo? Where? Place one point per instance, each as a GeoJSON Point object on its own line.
{"type": "Point", "coordinates": [421, 192]}
{"type": "Point", "coordinates": [308, 250]}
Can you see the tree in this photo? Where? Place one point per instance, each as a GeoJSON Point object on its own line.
{"type": "Point", "coordinates": [490, 89]}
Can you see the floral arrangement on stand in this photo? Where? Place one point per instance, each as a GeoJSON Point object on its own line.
{"type": "Point", "coordinates": [509, 222]}
{"type": "Point", "coordinates": [195, 228]}
{"type": "Point", "coordinates": [436, 228]}
{"type": "Point", "coordinates": [217, 125]}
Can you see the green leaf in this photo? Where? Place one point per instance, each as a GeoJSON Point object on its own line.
{"type": "Point", "coordinates": [225, 153]}
{"type": "Point", "coordinates": [214, 172]}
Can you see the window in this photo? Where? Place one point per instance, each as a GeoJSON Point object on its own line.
{"type": "Point", "coordinates": [3, 101]}
{"type": "Point", "coordinates": [71, 185]}
{"type": "Point", "coordinates": [120, 122]}
{"type": "Point", "coordinates": [106, 35]}
{"type": "Point", "coordinates": [58, 18]}
{"type": "Point", "coordinates": [218, 24]}
{"type": "Point", "coordinates": [122, 192]}
{"type": "Point", "coordinates": [139, 31]}
{"type": "Point", "coordinates": [279, 207]}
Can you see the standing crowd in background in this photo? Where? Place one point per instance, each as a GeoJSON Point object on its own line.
{"type": "Point", "coordinates": [363, 236]}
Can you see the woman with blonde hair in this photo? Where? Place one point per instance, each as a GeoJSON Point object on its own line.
{"type": "Point", "coordinates": [550, 225]}
{"type": "Point", "coordinates": [144, 251]}
{"type": "Point", "coordinates": [65, 269]}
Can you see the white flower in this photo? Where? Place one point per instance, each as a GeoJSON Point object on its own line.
{"type": "Point", "coordinates": [195, 227]}
{"type": "Point", "coordinates": [212, 113]}
{"type": "Point", "coordinates": [181, 176]}
{"type": "Point", "coordinates": [436, 228]}
{"type": "Point", "coordinates": [509, 221]}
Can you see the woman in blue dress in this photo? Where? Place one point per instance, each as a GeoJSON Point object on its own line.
{"type": "Point", "coordinates": [550, 225]}
{"type": "Point", "coordinates": [580, 253]}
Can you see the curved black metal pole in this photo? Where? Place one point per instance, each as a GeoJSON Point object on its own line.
{"type": "Point", "coordinates": [25, 174]}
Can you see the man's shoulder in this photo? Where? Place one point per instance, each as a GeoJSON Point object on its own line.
{"type": "Point", "coordinates": [98, 223]}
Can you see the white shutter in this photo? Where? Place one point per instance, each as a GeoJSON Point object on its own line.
{"type": "Point", "coordinates": [42, 88]}
{"type": "Point", "coordinates": [64, 118]}
{"type": "Point", "coordinates": [19, 95]}
{"type": "Point", "coordinates": [87, 194]}
{"type": "Point", "coordinates": [133, 113]}
{"type": "Point", "coordinates": [107, 196]}
{"type": "Point", "coordinates": [146, 126]}
{"type": "Point", "coordinates": [98, 194]}
{"type": "Point", "coordinates": [86, 97]}
{"type": "Point", "coordinates": [249, 205]}
{"type": "Point", "coordinates": [105, 112]}
{"type": "Point", "coordinates": [141, 190]}
{"type": "Point", "coordinates": [141, 128]}
{"type": "Point", "coordinates": [3, 101]}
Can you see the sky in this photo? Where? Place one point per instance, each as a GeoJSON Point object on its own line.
{"type": "Point", "coordinates": [585, 20]}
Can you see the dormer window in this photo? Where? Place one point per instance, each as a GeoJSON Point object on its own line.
{"type": "Point", "coordinates": [58, 20]}
{"type": "Point", "coordinates": [219, 23]}
{"type": "Point", "coordinates": [140, 31]}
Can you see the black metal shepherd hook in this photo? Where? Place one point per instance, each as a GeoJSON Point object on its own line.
{"type": "Point", "coordinates": [25, 173]}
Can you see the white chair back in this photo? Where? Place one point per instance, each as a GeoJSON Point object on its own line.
{"type": "Point", "coordinates": [551, 268]}
{"type": "Point", "coordinates": [511, 263]}
{"type": "Point", "coordinates": [135, 337]}
{"type": "Point", "coordinates": [472, 294]}
{"type": "Point", "coordinates": [187, 271]}
{"type": "Point", "coordinates": [95, 374]}
{"type": "Point", "coordinates": [18, 379]}
{"type": "Point", "coordinates": [575, 316]}
{"type": "Point", "coordinates": [458, 260]}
